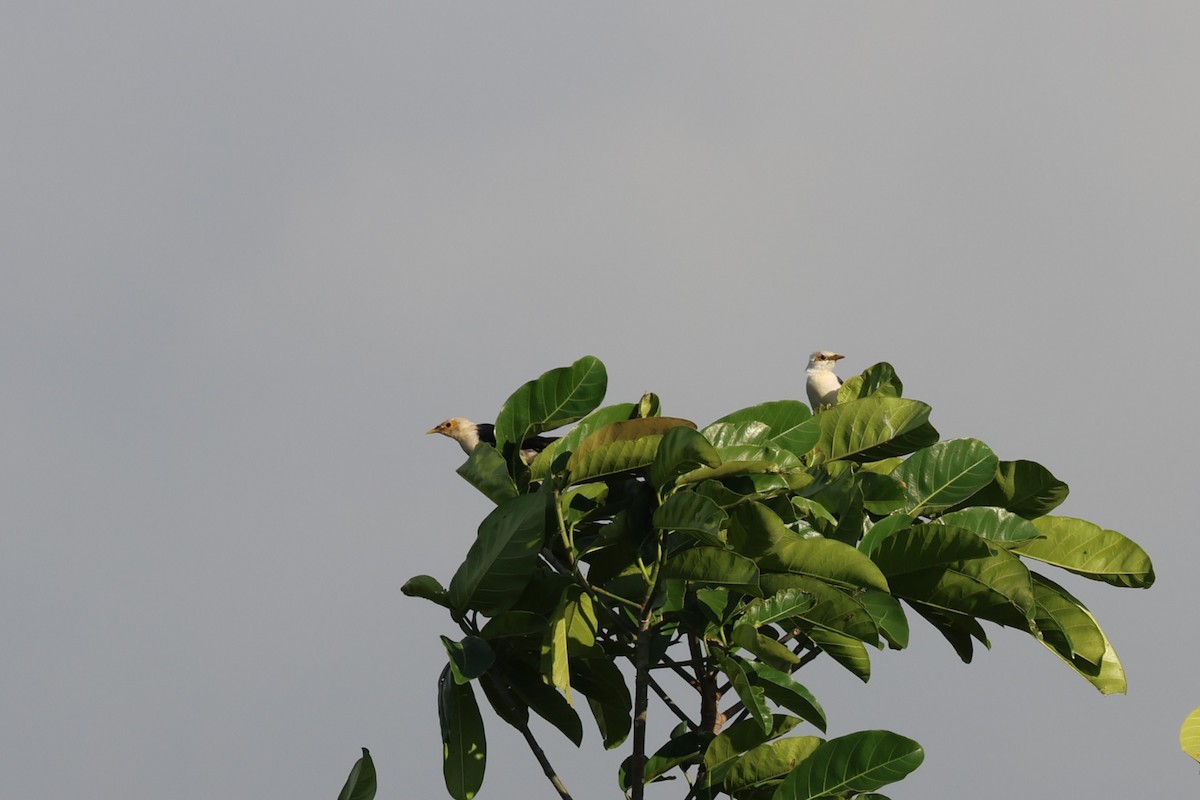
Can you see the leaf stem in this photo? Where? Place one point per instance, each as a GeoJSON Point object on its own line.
{"type": "Point", "coordinates": [523, 727]}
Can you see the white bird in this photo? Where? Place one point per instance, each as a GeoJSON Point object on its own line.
{"type": "Point", "coordinates": [469, 434]}
{"type": "Point", "coordinates": [822, 384]}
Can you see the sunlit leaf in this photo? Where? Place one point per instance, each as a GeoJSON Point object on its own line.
{"type": "Point", "coordinates": [681, 449]}
{"type": "Point", "coordinates": [921, 547]}
{"type": "Point", "coordinates": [427, 588]}
{"type": "Point", "coordinates": [770, 762]}
{"type": "Point", "coordinates": [945, 473]}
{"type": "Point", "coordinates": [1086, 549]}
{"type": "Point", "coordinates": [730, 434]}
{"type": "Point", "coordinates": [713, 566]}
{"type": "Point", "coordinates": [620, 447]}
{"type": "Point", "coordinates": [783, 690]}
{"type": "Point", "coordinates": [556, 398]}
{"type": "Point", "coordinates": [861, 429]}
{"type": "Point", "coordinates": [827, 559]}
{"type": "Point", "coordinates": [787, 603]}
{"type": "Point", "coordinates": [571, 439]}
{"type": "Point", "coordinates": [878, 379]}
{"type": "Point", "coordinates": [997, 525]}
{"type": "Point", "coordinates": [888, 616]}
{"type": "Point", "coordinates": [750, 693]}
{"type": "Point", "coordinates": [1189, 735]}
{"type": "Point", "coordinates": [788, 420]}
{"type": "Point", "coordinates": [847, 651]}
{"type": "Point", "coordinates": [859, 762]}
{"type": "Point", "coordinates": [833, 609]}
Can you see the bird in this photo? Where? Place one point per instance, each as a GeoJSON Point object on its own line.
{"type": "Point", "coordinates": [469, 434]}
{"type": "Point", "coordinates": [822, 384]}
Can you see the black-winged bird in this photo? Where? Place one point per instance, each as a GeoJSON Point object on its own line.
{"type": "Point", "coordinates": [469, 434]}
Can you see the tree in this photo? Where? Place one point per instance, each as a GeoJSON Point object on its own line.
{"type": "Point", "coordinates": [720, 561]}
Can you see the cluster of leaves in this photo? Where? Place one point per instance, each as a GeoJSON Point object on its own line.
{"type": "Point", "coordinates": [729, 557]}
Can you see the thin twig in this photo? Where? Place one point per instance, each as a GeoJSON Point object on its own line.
{"type": "Point", "coordinates": [666, 698]}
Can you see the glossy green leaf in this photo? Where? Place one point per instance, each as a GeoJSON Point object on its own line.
{"type": "Point", "coordinates": [693, 514]}
{"type": "Point", "coordinates": [503, 557]}
{"type": "Point", "coordinates": [1086, 549]}
{"type": "Point", "coordinates": [464, 748]}
{"type": "Point", "coordinates": [487, 471]}
{"type": "Point", "coordinates": [571, 440]}
{"type": "Point", "coordinates": [785, 604]}
{"type": "Point", "coordinates": [755, 530]}
{"type": "Point", "coordinates": [789, 421]}
{"type": "Point", "coordinates": [555, 663]}
{"type": "Point", "coordinates": [769, 651]}
{"type": "Point", "coordinates": [878, 379]}
{"type": "Point", "coordinates": [770, 762]}
{"type": "Point", "coordinates": [649, 406]}
{"type": "Point", "coordinates": [945, 474]}
{"type": "Point", "coordinates": [847, 651]}
{"type": "Point", "coordinates": [554, 399]}
{"type": "Point", "coordinates": [997, 588]}
{"type": "Point", "coordinates": [884, 528]}
{"type": "Point", "coordinates": [861, 429]}
{"type": "Point", "coordinates": [620, 447]}
{"type": "Point", "coordinates": [681, 450]}
{"type": "Point", "coordinates": [1189, 735]}
{"type": "Point", "coordinates": [427, 588]}
{"type": "Point", "coordinates": [713, 567]}
{"type": "Point", "coordinates": [833, 609]}
{"type": "Point", "coordinates": [997, 525]}
{"type": "Point", "coordinates": [361, 783]}
{"type": "Point", "coordinates": [826, 559]}
{"type": "Point", "coordinates": [469, 658]}
{"type": "Point", "coordinates": [781, 689]}
{"type": "Point", "coordinates": [1023, 487]}
{"type": "Point", "coordinates": [888, 616]}
{"type": "Point", "coordinates": [743, 736]}
{"type": "Point", "coordinates": [859, 762]}
{"type": "Point", "coordinates": [1066, 626]}
{"type": "Point", "coordinates": [732, 434]}
{"type": "Point", "coordinates": [749, 692]}
{"type": "Point", "coordinates": [958, 629]}
{"type": "Point", "coordinates": [921, 547]}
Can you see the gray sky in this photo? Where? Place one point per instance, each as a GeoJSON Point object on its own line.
{"type": "Point", "coordinates": [253, 251]}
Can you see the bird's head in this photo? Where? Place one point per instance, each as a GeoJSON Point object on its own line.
{"type": "Point", "coordinates": [824, 360]}
{"type": "Point", "coordinates": [457, 428]}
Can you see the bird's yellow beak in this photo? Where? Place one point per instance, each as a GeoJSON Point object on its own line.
{"type": "Point", "coordinates": [434, 429]}
{"type": "Point", "coordinates": [836, 357]}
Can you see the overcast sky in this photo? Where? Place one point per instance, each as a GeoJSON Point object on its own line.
{"type": "Point", "coordinates": [252, 251]}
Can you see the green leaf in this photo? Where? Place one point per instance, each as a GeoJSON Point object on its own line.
{"type": "Point", "coordinates": [833, 609]}
{"type": "Point", "coordinates": [713, 567]}
{"type": "Point", "coordinates": [770, 762]}
{"type": "Point", "coordinates": [1023, 487]}
{"type": "Point", "coordinates": [945, 474]}
{"type": "Point", "coordinates": [1189, 735]}
{"type": "Point", "coordinates": [361, 784]}
{"type": "Point", "coordinates": [487, 471]}
{"type": "Point", "coordinates": [503, 557]}
{"type": "Point", "coordinates": [427, 588]}
{"type": "Point", "coordinates": [1066, 626]}
{"type": "Point", "coordinates": [555, 664]}
{"type": "Point", "coordinates": [682, 449]}
{"type": "Point", "coordinates": [859, 762]}
{"type": "Point", "coordinates": [620, 447]}
{"type": "Point", "coordinates": [769, 651]}
{"type": "Point", "coordinates": [920, 547]}
{"type": "Point", "coordinates": [787, 603]}
{"type": "Point", "coordinates": [602, 683]}
{"type": "Point", "coordinates": [781, 689]}
{"type": "Point", "coordinates": [469, 658]}
{"type": "Point", "coordinates": [888, 615]}
{"type": "Point", "coordinates": [861, 430]}
{"type": "Point", "coordinates": [881, 530]}
{"type": "Point", "coordinates": [558, 397]}
{"type": "Point", "coordinates": [464, 748]}
{"type": "Point", "coordinates": [649, 406]}
{"type": "Point", "coordinates": [693, 514]}
{"type": "Point", "coordinates": [847, 651]}
{"type": "Point", "coordinates": [958, 629]}
{"type": "Point", "coordinates": [734, 434]}
{"type": "Point", "coordinates": [755, 530]}
{"type": "Point", "coordinates": [997, 588]}
{"type": "Point", "coordinates": [678, 750]}
{"type": "Point", "coordinates": [514, 624]}
{"type": "Point", "coordinates": [570, 441]}
{"type": "Point", "coordinates": [788, 420]}
{"type": "Point", "coordinates": [1086, 549]}
{"type": "Point", "coordinates": [827, 559]}
{"type": "Point", "coordinates": [879, 379]}
{"type": "Point", "coordinates": [741, 737]}
{"type": "Point", "coordinates": [526, 684]}
{"type": "Point", "coordinates": [995, 524]}
{"type": "Point", "coordinates": [752, 695]}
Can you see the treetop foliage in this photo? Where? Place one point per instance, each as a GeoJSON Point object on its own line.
{"type": "Point", "coordinates": [719, 560]}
